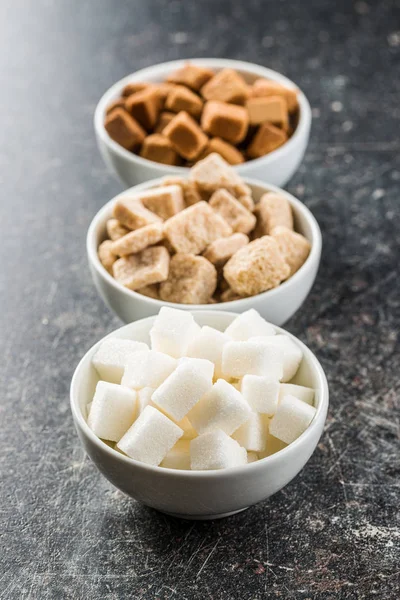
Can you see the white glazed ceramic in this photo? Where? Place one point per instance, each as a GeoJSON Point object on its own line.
{"type": "Point", "coordinates": [198, 494]}
{"type": "Point", "coordinates": [276, 305]}
{"type": "Point", "coordinates": [276, 168]}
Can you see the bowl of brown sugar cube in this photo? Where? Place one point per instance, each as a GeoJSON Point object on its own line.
{"type": "Point", "coordinates": [211, 238]}
{"type": "Point", "coordinates": [201, 414]}
{"type": "Point", "coordinates": [163, 119]}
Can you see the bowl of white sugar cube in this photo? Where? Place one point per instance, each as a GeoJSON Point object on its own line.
{"type": "Point", "coordinates": [199, 414]}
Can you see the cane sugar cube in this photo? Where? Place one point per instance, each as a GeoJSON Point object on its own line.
{"type": "Point", "coordinates": [232, 155]}
{"type": "Point", "coordinates": [247, 325]}
{"type": "Point", "coordinates": [229, 296]}
{"type": "Point", "coordinates": [291, 353]}
{"type": "Point", "coordinates": [222, 407]}
{"type": "Point", "coordinates": [144, 106]}
{"type": "Point", "coordinates": [226, 121]}
{"type": "Point", "coordinates": [202, 365]}
{"type": "Point", "coordinates": [180, 98]}
{"type": "Point", "coordinates": [147, 369]}
{"type": "Point", "coordinates": [227, 86]}
{"type": "Point", "coordinates": [136, 241]}
{"type": "Point", "coordinates": [191, 230]}
{"type": "Point", "coordinates": [216, 450]}
{"type": "Point", "coordinates": [252, 358]}
{"type": "Point", "coordinates": [301, 392]}
{"type": "Point", "coordinates": [182, 390]}
{"type": "Point", "coordinates": [263, 88]}
{"type": "Point", "coordinates": [123, 129]}
{"type": "Point", "coordinates": [158, 148]}
{"type": "Point", "coordinates": [178, 457]}
{"type": "Point", "coordinates": [294, 247]}
{"type": "Point", "coordinates": [136, 271]}
{"type": "Point", "coordinates": [291, 419]}
{"type": "Point", "coordinates": [192, 280]}
{"type": "Point", "coordinates": [151, 291]}
{"type": "Point", "coordinates": [112, 356]}
{"type": "Point", "coordinates": [208, 344]}
{"type": "Point", "coordinates": [151, 437]}
{"type": "Point", "coordinates": [257, 267]}
{"type": "Point", "coordinates": [213, 173]}
{"type": "Point", "coordinates": [267, 139]}
{"type": "Point", "coordinates": [262, 393]}
{"type": "Point", "coordinates": [235, 214]}
{"type": "Point", "coordinates": [172, 331]}
{"type": "Point", "coordinates": [273, 210]}
{"type": "Point", "coordinates": [165, 201]}
{"type": "Point", "coordinates": [252, 435]}
{"type": "Point", "coordinates": [131, 213]}
{"type": "Point", "coordinates": [191, 76]}
{"type": "Point", "coordinates": [246, 200]}
{"type": "Point", "coordinates": [115, 229]}
{"type": "Point", "coordinates": [220, 251]}
{"type": "Point", "coordinates": [186, 136]}
{"type": "Point", "coordinates": [106, 255]}
{"type": "Point", "coordinates": [252, 456]}
{"type": "Point", "coordinates": [112, 411]}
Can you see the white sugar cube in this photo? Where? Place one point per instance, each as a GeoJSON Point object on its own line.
{"type": "Point", "coordinates": [292, 354]}
{"type": "Point", "coordinates": [254, 358]}
{"type": "Point", "coordinates": [201, 364]}
{"type": "Point", "coordinates": [252, 456]}
{"type": "Point", "coordinates": [247, 325]}
{"type": "Point", "coordinates": [216, 450]}
{"type": "Point", "coordinates": [151, 437]}
{"type": "Point", "coordinates": [301, 392]}
{"type": "Point", "coordinates": [172, 331]}
{"type": "Point", "coordinates": [252, 435]}
{"type": "Point", "coordinates": [189, 431]}
{"type": "Point", "coordinates": [222, 407]}
{"type": "Point", "coordinates": [273, 446]}
{"type": "Point", "coordinates": [147, 369]}
{"type": "Point", "coordinates": [291, 419]}
{"type": "Point", "coordinates": [182, 390]}
{"type": "Point", "coordinates": [144, 398]}
{"type": "Point", "coordinates": [112, 411]}
{"type": "Point", "coordinates": [261, 393]}
{"type": "Point", "coordinates": [209, 343]}
{"type": "Point", "coordinates": [178, 457]}
{"type": "Point", "coordinates": [112, 356]}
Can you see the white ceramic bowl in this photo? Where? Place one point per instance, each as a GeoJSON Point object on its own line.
{"type": "Point", "coordinates": [276, 305]}
{"type": "Point", "coordinates": [276, 168]}
{"type": "Point", "coordinates": [198, 494]}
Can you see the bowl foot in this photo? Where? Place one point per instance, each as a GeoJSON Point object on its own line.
{"type": "Point", "coordinates": [204, 517]}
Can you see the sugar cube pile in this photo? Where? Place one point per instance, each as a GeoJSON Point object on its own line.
{"type": "Point", "coordinates": [198, 398]}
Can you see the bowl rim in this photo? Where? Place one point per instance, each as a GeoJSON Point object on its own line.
{"type": "Point", "coordinates": [313, 257]}
{"type": "Point", "coordinates": [303, 125]}
{"type": "Point", "coordinates": [285, 453]}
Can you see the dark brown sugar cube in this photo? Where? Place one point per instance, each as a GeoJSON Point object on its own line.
{"type": "Point", "coordinates": [186, 136]}
{"type": "Point", "coordinates": [180, 98]}
{"type": "Point", "coordinates": [272, 109]}
{"type": "Point", "coordinates": [267, 139]}
{"type": "Point", "coordinates": [158, 148]}
{"type": "Point", "coordinates": [119, 103]}
{"type": "Point", "coordinates": [228, 152]}
{"type": "Point", "coordinates": [132, 88]}
{"type": "Point", "coordinates": [226, 121]}
{"type": "Point", "coordinates": [226, 86]}
{"type": "Point", "coordinates": [123, 129]}
{"type": "Point", "coordinates": [145, 106]}
{"type": "Point", "coordinates": [191, 75]}
{"type": "Point", "coordinates": [265, 87]}
{"type": "Point", "coordinates": [163, 120]}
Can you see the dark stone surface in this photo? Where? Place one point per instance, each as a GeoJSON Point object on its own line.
{"type": "Point", "coordinates": [66, 533]}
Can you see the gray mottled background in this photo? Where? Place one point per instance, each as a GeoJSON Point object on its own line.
{"type": "Point", "coordinates": [66, 533]}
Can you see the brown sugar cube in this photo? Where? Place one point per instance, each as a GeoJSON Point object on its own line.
{"type": "Point", "coordinates": [119, 103]}
{"type": "Point", "coordinates": [294, 247]}
{"type": "Point", "coordinates": [226, 121]}
{"type": "Point", "coordinates": [191, 75]}
{"type": "Point", "coordinates": [133, 214]}
{"type": "Point", "coordinates": [267, 139]}
{"type": "Point", "coordinates": [123, 129]}
{"type": "Point", "coordinates": [106, 255]}
{"type": "Point", "coordinates": [136, 241]}
{"type": "Point", "coordinates": [163, 120]}
{"type": "Point", "coordinates": [151, 291]}
{"type": "Point", "coordinates": [257, 267]}
{"type": "Point", "coordinates": [165, 200]}
{"type": "Point", "coordinates": [180, 98]}
{"type": "Point", "coordinates": [220, 251]}
{"type": "Point", "coordinates": [132, 88]}
{"type": "Point", "coordinates": [229, 295]}
{"type": "Point", "coordinates": [247, 201]}
{"type": "Point", "coordinates": [226, 86]}
{"type": "Point", "coordinates": [139, 270]}
{"type": "Point", "coordinates": [144, 106]}
{"type": "Point", "coordinates": [192, 280]}
{"type": "Point", "coordinates": [271, 211]}
{"type": "Point", "coordinates": [115, 229]}
{"type": "Point", "coordinates": [228, 152]}
{"type": "Point", "coordinates": [158, 148]}
{"type": "Point", "coordinates": [191, 230]}
{"type": "Point", "coordinates": [272, 109]}
{"type": "Point", "coordinates": [234, 213]}
{"type": "Point", "coordinates": [213, 173]}
{"type": "Point", "coordinates": [265, 87]}
{"type": "Point", "coordinates": [186, 136]}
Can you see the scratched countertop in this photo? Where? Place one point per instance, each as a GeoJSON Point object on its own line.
{"type": "Point", "coordinates": [65, 532]}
